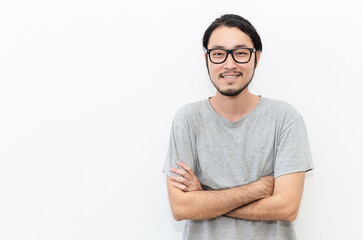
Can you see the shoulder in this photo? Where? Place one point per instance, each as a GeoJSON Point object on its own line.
{"type": "Point", "coordinates": [190, 110]}
{"type": "Point", "coordinates": [281, 110]}
{"type": "Point", "coordinates": [190, 113]}
{"type": "Point", "coordinates": [281, 107]}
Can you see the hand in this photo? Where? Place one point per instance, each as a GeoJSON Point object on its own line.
{"type": "Point", "coordinates": [266, 185]}
{"type": "Point", "coordinates": [188, 182]}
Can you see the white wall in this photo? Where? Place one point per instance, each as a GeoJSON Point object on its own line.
{"type": "Point", "coordinates": [88, 90]}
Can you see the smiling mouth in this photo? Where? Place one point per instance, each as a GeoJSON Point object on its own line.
{"type": "Point", "coordinates": [230, 75]}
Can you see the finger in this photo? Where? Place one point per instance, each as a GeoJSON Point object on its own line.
{"type": "Point", "coordinates": [185, 167]}
{"type": "Point", "coordinates": [188, 169]}
{"type": "Point", "coordinates": [181, 172]}
{"type": "Point", "coordinates": [182, 180]}
{"type": "Point", "coordinates": [179, 186]}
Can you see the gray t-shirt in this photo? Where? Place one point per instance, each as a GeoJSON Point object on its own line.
{"type": "Point", "coordinates": [271, 140]}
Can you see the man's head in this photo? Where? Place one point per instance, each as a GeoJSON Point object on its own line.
{"type": "Point", "coordinates": [231, 74]}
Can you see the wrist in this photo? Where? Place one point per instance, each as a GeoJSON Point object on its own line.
{"type": "Point", "coordinates": [264, 188]}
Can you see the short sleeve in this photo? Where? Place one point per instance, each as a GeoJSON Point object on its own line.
{"type": "Point", "coordinates": [293, 150]}
{"type": "Point", "coordinates": [180, 149]}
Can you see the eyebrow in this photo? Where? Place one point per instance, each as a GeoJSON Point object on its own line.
{"type": "Point", "coordinates": [236, 46]}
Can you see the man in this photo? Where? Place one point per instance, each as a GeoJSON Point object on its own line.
{"type": "Point", "coordinates": [236, 161]}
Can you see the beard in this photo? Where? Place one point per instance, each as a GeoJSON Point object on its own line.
{"type": "Point", "coordinates": [232, 92]}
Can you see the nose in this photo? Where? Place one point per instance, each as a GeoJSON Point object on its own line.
{"type": "Point", "coordinates": [230, 63]}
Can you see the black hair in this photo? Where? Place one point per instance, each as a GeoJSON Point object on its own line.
{"type": "Point", "coordinates": [232, 20]}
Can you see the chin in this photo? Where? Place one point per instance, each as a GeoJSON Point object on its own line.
{"type": "Point", "coordinates": [230, 92]}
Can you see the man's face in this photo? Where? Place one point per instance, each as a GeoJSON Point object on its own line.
{"type": "Point", "coordinates": [230, 77]}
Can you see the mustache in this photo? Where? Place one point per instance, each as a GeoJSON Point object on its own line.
{"type": "Point", "coordinates": [240, 73]}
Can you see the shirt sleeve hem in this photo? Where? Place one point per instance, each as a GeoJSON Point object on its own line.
{"type": "Point", "coordinates": [305, 168]}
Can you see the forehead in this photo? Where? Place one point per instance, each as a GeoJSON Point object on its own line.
{"type": "Point", "coordinates": [229, 37]}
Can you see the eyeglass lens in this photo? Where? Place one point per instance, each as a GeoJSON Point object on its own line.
{"type": "Point", "coordinates": [241, 55]}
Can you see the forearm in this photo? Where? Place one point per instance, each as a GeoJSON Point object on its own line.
{"type": "Point", "coordinates": [267, 209]}
{"type": "Point", "coordinates": [199, 205]}
{"type": "Point", "coordinates": [282, 205]}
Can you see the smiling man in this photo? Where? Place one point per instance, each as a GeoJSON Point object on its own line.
{"type": "Point", "coordinates": [236, 162]}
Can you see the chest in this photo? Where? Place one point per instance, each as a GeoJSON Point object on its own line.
{"type": "Point", "coordinates": [232, 157]}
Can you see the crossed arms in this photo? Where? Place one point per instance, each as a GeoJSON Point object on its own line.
{"type": "Point", "coordinates": [265, 199]}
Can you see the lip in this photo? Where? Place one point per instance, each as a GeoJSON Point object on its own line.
{"type": "Point", "coordinates": [230, 80]}
{"type": "Point", "coordinates": [230, 75]}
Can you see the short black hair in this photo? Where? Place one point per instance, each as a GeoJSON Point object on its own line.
{"type": "Point", "coordinates": [232, 20]}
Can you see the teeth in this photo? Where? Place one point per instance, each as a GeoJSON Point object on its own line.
{"type": "Point", "coordinates": [230, 76]}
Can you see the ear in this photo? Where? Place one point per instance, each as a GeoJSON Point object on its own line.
{"type": "Point", "coordinates": [205, 56]}
{"type": "Point", "coordinates": [258, 55]}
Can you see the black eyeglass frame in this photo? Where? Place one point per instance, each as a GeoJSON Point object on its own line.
{"type": "Point", "coordinates": [252, 50]}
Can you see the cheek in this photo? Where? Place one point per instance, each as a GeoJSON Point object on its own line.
{"type": "Point", "coordinates": [247, 68]}
{"type": "Point", "coordinates": [215, 69]}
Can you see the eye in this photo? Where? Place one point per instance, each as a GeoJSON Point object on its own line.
{"type": "Point", "coordinates": [241, 53]}
{"type": "Point", "coordinates": [217, 53]}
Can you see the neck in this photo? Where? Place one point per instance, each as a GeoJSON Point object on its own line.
{"type": "Point", "coordinates": [234, 108]}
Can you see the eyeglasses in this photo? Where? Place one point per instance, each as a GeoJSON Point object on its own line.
{"type": "Point", "coordinates": [240, 55]}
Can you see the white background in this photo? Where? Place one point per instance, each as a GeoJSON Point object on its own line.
{"type": "Point", "coordinates": [88, 90]}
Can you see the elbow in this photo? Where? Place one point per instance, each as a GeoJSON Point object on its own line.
{"type": "Point", "coordinates": [177, 217]}
{"type": "Point", "coordinates": [288, 209]}
{"type": "Point", "coordinates": [291, 217]}
{"type": "Point", "coordinates": [291, 214]}
{"type": "Point", "coordinates": [178, 213]}
{"type": "Point", "coordinates": [181, 212]}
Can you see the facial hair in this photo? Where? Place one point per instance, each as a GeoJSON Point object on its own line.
{"type": "Point", "coordinates": [231, 92]}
